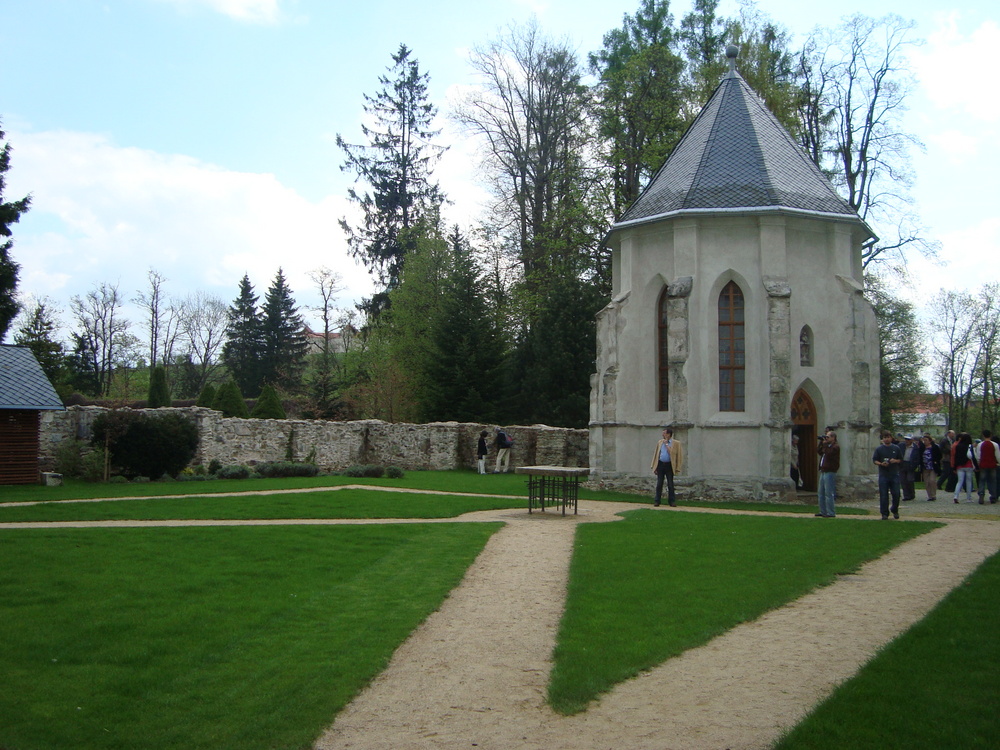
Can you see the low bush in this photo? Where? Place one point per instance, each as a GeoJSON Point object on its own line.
{"type": "Point", "coordinates": [280, 469]}
{"type": "Point", "coordinates": [234, 471]}
{"type": "Point", "coordinates": [214, 465]}
{"type": "Point", "coordinates": [146, 444]}
{"type": "Point", "coordinates": [394, 472]}
{"type": "Point", "coordinates": [366, 471]}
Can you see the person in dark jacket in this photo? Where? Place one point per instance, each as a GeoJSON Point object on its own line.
{"type": "Point", "coordinates": [908, 470]}
{"type": "Point", "coordinates": [829, 465]}
{"type": "Point", "coordinates": [481, 451]}
{"type": "Point", "coordinates": [930, 466]}
{"type": "Point", "coordinates": [887, 457]}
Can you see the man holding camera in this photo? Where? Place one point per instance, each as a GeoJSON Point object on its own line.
{"type": "Point", "coordinates": [887, 458]}
{"type": "Point", "coordinates": [829, 465]}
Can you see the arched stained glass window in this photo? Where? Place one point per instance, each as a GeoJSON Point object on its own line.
{"type": "Point", "coordinates": [663, 366]}
{"type": "Point", "coordinates": [732, 349]}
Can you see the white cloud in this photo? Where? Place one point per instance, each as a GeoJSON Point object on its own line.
{"type": "Point", "coordinates": [953, 66]}
{"type": "Point", "coordinates": [104, 213]}
{"type": "Point", "coordinates": [253, 11]}
{"type": "Point", "coordinates": [969, 258]}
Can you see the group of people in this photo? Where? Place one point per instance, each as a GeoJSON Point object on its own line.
{"type": "Point", "coordinates": [502, 443]}
{"type": "Point", "coordinates": [951, 465]}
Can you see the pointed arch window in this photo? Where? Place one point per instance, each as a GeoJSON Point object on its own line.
{"type": "Point", "coordinates": [663, 364]}
{"type": "Point", "coordinates": [732, 349]}
{"type": "Point", "coordinates": [806, 347]}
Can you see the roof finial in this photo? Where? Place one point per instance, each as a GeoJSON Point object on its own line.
{"type": "Point", "coordinates": [732, 52]}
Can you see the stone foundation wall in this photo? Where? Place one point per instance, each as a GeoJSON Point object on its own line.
{"type": "Point", "coordinates": [338, 445]}
{"type": "Point", "coordinates": [724, 489]}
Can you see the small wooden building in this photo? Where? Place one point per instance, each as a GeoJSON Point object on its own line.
{"type": "Point", "coordinates": [24, 392]}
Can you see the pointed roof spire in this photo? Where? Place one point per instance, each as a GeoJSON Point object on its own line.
{"type": "Point", "coordinates": [737, 158]}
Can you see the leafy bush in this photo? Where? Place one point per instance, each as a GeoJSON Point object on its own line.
{"type": "Point", "coordinates": [149, 445]}
{"type": "Point", "coordinates": [117, 479]}
{"type": "Point", "coordinates": [367, 471]}
{"type": "Point", "coordinates": [69, 458]}
{"type": "Point", "coordinates": [394, 472]}
{"type": "Point", "coordinates": [279, 469]}
{"type": "Point", "coordinates": [92, 466]}
{"type": "Point", "coordinates": [233, 471]}
{"type": "Point", "coordinates": [214, 465]}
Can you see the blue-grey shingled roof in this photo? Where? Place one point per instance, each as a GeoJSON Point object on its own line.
{"type": "Point", "coordinates": [737, 158]}
{"type": "Point", "coordinates": [23, 384]}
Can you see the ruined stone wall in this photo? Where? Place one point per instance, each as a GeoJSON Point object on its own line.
{"type": "Point", "coordinates": [338, 445]}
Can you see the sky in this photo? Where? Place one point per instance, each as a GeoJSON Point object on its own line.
{"type": "Point", "coordinates": [197, 138]}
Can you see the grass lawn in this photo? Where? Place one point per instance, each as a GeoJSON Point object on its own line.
{"type": "Point", "coordinates": [646, 589]}
{"type": "Point", "coordinates": [208, 638]}
{"type": "Point", "coordinates": [934, 687]}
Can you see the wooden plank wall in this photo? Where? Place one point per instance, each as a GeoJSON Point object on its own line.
{"type": "Point", "coordinates": [19, 446]}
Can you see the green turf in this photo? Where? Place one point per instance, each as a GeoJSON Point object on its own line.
{"type": "Point", "coordinates": [647, 588]}
{"type": "Point", "coordinates": [208, 637]}
{"type": "Point", "coordinates": [936, 686]}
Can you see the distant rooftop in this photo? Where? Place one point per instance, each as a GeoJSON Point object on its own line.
{"type": "Point", "coordinates": [737, 158]}
{"type": "Point", "coordinates": [23, 384]}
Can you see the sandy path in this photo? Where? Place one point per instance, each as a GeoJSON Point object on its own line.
{"type": "Point", "coordinates": [475, 673]}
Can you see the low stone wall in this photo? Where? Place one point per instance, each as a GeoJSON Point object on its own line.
{"type": "Point", "coordinates": [338, 445]}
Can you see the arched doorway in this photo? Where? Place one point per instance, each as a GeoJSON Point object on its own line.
{"type": "Point", "coordinates": [804, 421]}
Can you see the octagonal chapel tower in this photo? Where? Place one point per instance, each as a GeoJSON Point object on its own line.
{"type": "Point", "coordinates": [737, 316]}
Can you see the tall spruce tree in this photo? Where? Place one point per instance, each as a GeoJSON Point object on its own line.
{"type": "Point", "coordinates": [37, 332]}
{"type": "Point", "coordinates": [463, 373]}
{"type": "Point", "coordinates": [283, 336]}
{"type": "Point", "coordinates": [244, 347]}
{"type": "Point", "coordinates": [10, 213]}
{"type": "Point", "coordinates": [396, 167]}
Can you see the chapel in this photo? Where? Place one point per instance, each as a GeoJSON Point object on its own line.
{"type": "Point", "coordinates": [737, 316]}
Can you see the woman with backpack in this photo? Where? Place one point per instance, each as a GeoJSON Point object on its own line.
{"type": "Point", "coordinates": [963, 463]}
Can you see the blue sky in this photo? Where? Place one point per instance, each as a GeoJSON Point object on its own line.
{"type": "Point", "coordinates": [196, 137]}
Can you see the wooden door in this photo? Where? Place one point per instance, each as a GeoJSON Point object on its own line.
{"type": "Point", "coordinates": [804, 421]}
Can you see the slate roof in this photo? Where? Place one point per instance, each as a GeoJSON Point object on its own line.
{"type": "Point", "coordinates": [23, 384]}
{"type": "Point", "coordinates": [737, 158]}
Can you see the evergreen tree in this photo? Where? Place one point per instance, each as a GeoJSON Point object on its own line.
{"type": "Point", "coordinates": [10, 213]}
{"type": "Point", "coordinates": [230, 401]}
{"type": "Point", "coordinates": [36, 332]}
{"type": "Point", "coordinates": [244, 348]}
{"type": "Point", "coordinates": [901, 352]}
{"type": "Point", "coordinates": [639, 99]}
{"type": "Point", "coordinates": [268, 405]}
{"type": "Point", "coordinates": [467, 349]}
{"type": "Point", "coordinates": [283, 336]}
{"type": "Point", "coordinates": [207, 396]}
{"type": "Point", "coordinates": [396, 165]}
{"type": "Point", "coordinates": [159, 392]}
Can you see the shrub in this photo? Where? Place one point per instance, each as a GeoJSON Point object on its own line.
{"type": "Point", "coordinates": [207, 397]}
{"type": "Point", "coordinates": [214, 465]}
{"type": "Point", "coordinates": [279, 469]}
{"type": "Point", "coordinates": [367, 471]}
{"type": "Point", "coordinates": [144, 444]}
{"type": "Point", "coordinates": [233, 471]}
{"type": "Point", "coordinates": [159, 393]}
{"type": "Point", "coordinates": [92, 466]}
{"type": "Point", "coordinates": [229, 400]}
{"type": "Point", "coordinates": [69, 458]}
{"type": "Point", "coordinates": [394, 472]}
{"type": "Point", "coordinates": [268, 405]}
{"type": "Point", "coordinates": [117, 479]}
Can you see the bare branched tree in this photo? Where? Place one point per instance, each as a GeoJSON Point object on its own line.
{"type": "Point", "coordinates": [103, 331]}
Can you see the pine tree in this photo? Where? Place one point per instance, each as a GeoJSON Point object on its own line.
{"type": "Point", "coordinates": [207, 396]}
{"type": "Point", "coordinates": [230, 401]}
{"type": "Point", "coordinates": [396, 165]}
{"type": "Point", "coordinates": [268, 405]}
{"type": "Point", "coordinates": [36, 332]}
{"type": "Point", "coordinates": [283, 336]}
{"type": "Point", "coordinates": [244, 348]}
{"type": "Point", "coordinates": [10, 213]}
{"type": "Point", "coordinates": [159, 392]}
{"type": "Point", "coordinates": [467, 348]}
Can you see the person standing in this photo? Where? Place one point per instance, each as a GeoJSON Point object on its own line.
{"type": "Point", "coordinates": [887, 457]}
{"type": "Point", "coordinates": [930, 464]}
{"type": "Point", "coordinates": [946, 481]}
{"type": "Point", "coordinates": [829, 465]}
{"type": "Point", "coordinates": [910, 467]}
{"type": "Point", "coordinates": [793, 472]}
{"type": "Point", "coordinates": [962, 463]}
{"type": "Point", "coordinates": [989, 458]}
{"type": "Point", "coordinates": [481, 451]}
{"type": "Point", "coordinates": [667, 462]}
{"type": "Point", "coordinates": [503, 443]}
